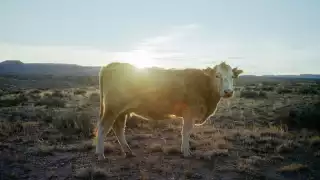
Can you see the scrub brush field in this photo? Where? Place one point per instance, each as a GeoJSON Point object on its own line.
{"type": "Point", "coordinates": [268, 130]}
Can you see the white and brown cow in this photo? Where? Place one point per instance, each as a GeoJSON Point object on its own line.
{"type": "Point", "coordinates": [155, 93]}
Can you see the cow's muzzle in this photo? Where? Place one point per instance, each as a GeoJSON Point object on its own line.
{"type": "Point", "coordinates": [228, 93]}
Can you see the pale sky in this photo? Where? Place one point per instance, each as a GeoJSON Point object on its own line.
{"type": "Point", "coordinates": [259, 36]}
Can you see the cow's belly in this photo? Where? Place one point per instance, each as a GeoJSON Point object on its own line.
{"type": "Point", "coordinates": [160, 109]}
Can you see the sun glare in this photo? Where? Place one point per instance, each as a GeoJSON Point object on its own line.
{"type": "Point", "coordinates": [143, 64]}
{"type": "Point", "coordinates": [141, 60]}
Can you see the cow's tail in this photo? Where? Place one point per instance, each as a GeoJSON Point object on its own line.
{"type": "Point", "coordinates": [101, 91]}
{"type": "Point", "coordinates": [202, 123]}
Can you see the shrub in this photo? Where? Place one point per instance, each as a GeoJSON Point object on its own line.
{"type": "Point", "coordinates": [57, 93]}
{"type": "Point", "coordinates": [266, 83]}
{"type": "Point", "coordinates": [267, 88]}
{"type": "Point", "coordinates": [305, 116]}
{"type": "Point", "coordinates": [10, 128]}
{"type": "Point", "coordinates": [74, 123]}
{"type": "Point", "coordinates": [308, 90]}
{"type": "Point", "coordinates": [262, 94]}
{"type": "Point", "coordinates": [251, 88]}
{"type": "Point", "coordinates": [94, 97]}
{"type": "Point", "coordinates": [16, 91]}
{"type": "Point", "coordinates": [50, 102]}
{"type": "Point", "coordinates": [79, 92]}
{"type": "Point", "coordinates": [284, 91]}
{"type": "Point", "coordinates": [34, 97]}
{"type": "Point", "coordinates": [248, 94]}
{"type": "Point", "coordinates": [35, 91]}
{"type": "Point", "coordinates": [253, 94]}
{"type": "Point", "coordinates": [13, 101]}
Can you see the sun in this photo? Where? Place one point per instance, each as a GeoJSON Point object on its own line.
{"type": "Point", "coordinates": [143, 63]}
{"type": "Point", "coordinates": [139, 58]}
{"type": "Point", "coordinates": [142, 60]}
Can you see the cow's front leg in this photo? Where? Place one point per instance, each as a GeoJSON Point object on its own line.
{"type": "Point", "coordinates": [185, 136]}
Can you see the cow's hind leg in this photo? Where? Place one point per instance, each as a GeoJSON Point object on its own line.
{"type": "Point", "coordinates": [100, 141]}
{"type": "Point", "coordinates": [105, 126]}
{"type": "Point", "coordinates": [188, 123]}
{"type": "Point", "coordinates": [186, 131]}
{"type": "Point", "coordinates": [119, 130]}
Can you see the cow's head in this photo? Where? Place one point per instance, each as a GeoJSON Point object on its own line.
{"type": "Point", "coordinates": [223, 76]}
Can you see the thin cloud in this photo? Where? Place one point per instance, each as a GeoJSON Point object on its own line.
{"type": "Point", "coordinates": [149, 51]}
{"type": "Point", "coordinates": [162, 50]}
{"type": "Point", "coordinates": [235, 57]}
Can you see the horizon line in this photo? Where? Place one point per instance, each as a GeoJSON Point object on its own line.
{"type": "Point", "coordinates": [97, 66]}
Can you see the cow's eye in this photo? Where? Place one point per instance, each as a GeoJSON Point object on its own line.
{"type": "Point", "coordinates": [217, 76]}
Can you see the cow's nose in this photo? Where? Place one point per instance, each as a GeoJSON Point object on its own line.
{"type": "Point", "coordinates": [228, 91]}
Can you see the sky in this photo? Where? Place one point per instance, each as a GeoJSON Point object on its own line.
{"type": "Point", "coordinates": [258, 36]}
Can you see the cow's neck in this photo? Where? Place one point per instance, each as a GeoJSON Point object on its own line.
{"type": "Point", "coordinates": [212, 101]}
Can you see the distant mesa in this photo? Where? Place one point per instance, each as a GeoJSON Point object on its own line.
{"type": "Point", "coordinates": [13, 62]}
{"type": "Point", "coordinates": [17, 67]}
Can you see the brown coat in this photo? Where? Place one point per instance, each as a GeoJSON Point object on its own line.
{"type": "Point", "coordinates": [155, 92]}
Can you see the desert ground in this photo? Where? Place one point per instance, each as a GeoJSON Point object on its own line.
{"type": "Point", "coordinates": [269, 130]}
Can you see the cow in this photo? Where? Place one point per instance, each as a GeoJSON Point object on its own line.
{"type": "Point", "coordinates": [156, 93]}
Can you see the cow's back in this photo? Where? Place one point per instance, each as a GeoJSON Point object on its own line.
{"type": "Point", "coordinates": [124, 81]}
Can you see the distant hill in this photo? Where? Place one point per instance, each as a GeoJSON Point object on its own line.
{"type": "Point", "coordinates": [304, 76]}
{"type": "Point", "coordinates": [16, 67]}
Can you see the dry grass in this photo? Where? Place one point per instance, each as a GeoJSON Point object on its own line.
{"type": "Point", "coordinates": [80, 92]}
{"type": "Point", "coordinates": [234, 146]}
{"type": "Point", "coordinates": [108, 147]}
{"type": "Point", "coordinates": [10, 128]}
{"type": "Point", "coordinates": [155, 147]}
{"type": "Point", "coordinates": [287, 147]}
{"type": "Point", "coordinates": [294, 167]}
{"type": "Point", "coordinates": [171, 150]}
{"type": "Point", "coordinates": [42, 150]}
{"type": "Point", "coordinates": [314, 141]}
{"type": "Point", "coordinates": [189, 174]}
{"type": "Point", "coordinates": [13, 100]}
{"type": "Point", "coordinates": [49, 150]}
{"type": "Point", "coordinates": [253, 94]}
{"type": "Point", "coordinates": [94, 97]}
{"type": "Point", "coordinates": [276, 158]}
{"type": "Point", "coordinates": [91, 173]}
{"type": "Point", "coordinates": [51, 101]}
{"type": "Point", "coordinates": [73, 122]}
{"type": "Point", "coordinates": [210, 154]}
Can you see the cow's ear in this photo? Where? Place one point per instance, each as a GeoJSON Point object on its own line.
{"type": "Point", "coordinates": [209, 71]}
{"type": "Point", "coordinates": [236, 72]}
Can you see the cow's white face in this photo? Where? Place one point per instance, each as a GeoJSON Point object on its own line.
{"type": "Point", "coordinates": [223, 76]}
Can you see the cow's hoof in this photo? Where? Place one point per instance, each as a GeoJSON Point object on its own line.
{"type": "Point", "coordinates": [187, 154]}
{"type": "Point", "coordinates": [130, 155]}
{"type": "Point", "coordinates": [101, 157]}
